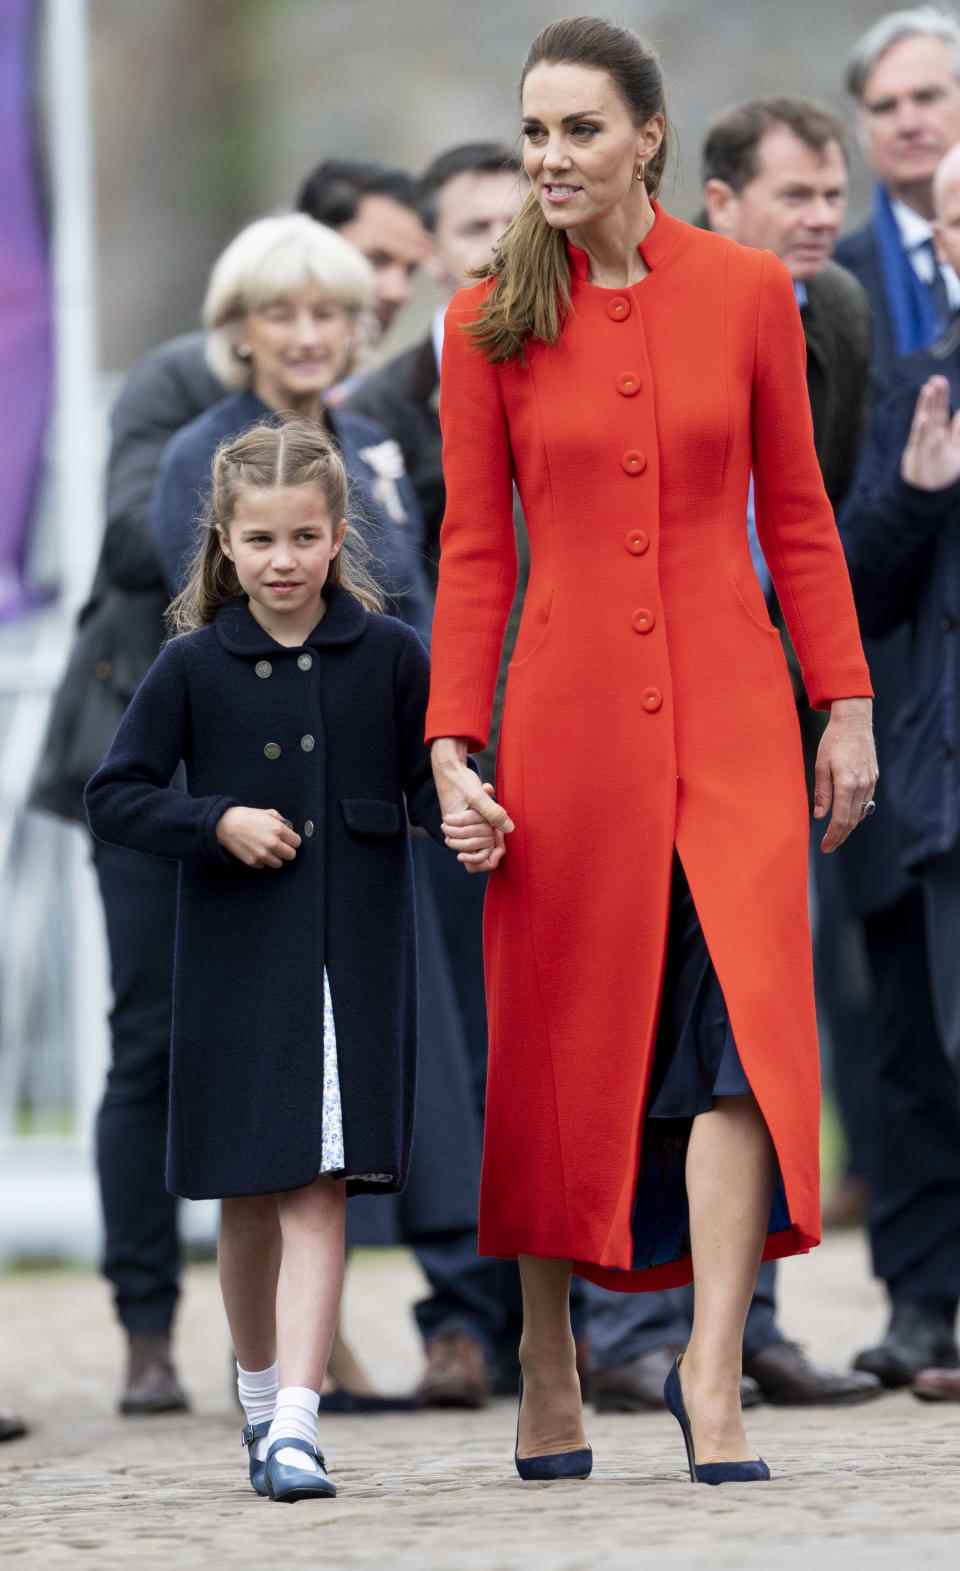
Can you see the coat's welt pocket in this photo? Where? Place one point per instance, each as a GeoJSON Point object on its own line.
{"type": "Point", "coordinates": [365, 816]}
{"type": "Point", "coordinates": [534, 630]}
{"type": "Point", "coordinates": [750, 599]}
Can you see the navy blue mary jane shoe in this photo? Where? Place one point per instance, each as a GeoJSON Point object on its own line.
{"type": "Point", "coordinates": [258, 1470]}
{"type": "Point", "coordinates": [707, 1472]}
{"type": "Point", "coordinates": [545, 1469]}
{"type": "Point", "coordinates": [287, 1483]}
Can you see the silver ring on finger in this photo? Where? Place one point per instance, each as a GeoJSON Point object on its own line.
{"type": "Point", "coordinates": [868, 808]}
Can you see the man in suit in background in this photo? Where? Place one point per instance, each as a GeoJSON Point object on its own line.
{"type": "Point", "coordinates": [904, 75]}
{"type": "Point", "coordinates": [775, 176]}
{"type": "Point", "coordinates": [903, 545]}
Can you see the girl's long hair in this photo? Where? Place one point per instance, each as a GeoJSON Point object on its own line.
{"type": "Point", "coordinates": [530, 269]}
{"type": "Point", "coordinates": [281, 453]}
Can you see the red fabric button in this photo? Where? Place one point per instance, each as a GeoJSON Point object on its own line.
{"type": "Point", "coordinates": [638, 542]}
{"type": "Point", "coordinates": [634, 462]}
{"type": "Point", "coordinates": [644, 621]}
{"type": "Point", "coordinates": [618, 308]}
{"type": "Point", "coordinates": [651, 699]}
{"type": "Point", "coordinates": [628, 383]}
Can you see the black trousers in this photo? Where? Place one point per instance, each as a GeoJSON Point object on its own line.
{"type": "Point", "coordinates": [142, 1247]}
{"type": "Point", "coordinates": [914, 1180]}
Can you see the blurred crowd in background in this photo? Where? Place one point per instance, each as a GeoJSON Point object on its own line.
{"type": "Point", "coordinates": [320, 286]}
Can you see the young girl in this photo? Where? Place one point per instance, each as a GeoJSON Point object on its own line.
{"type": "Point", "coordinates": [298, 712]}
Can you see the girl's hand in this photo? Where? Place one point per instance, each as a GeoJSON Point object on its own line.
{"type": "Point", "coordinates": [478, 845]}
{"type": "Point", "coordinates": [257, 836]}
{"type": "Point", "coordinates": [460, 791]}
{"type": "Point", "coordinates": [846, 772]}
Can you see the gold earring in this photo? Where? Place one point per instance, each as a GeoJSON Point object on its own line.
{"type": "Point", "coordinates": [641, 171]}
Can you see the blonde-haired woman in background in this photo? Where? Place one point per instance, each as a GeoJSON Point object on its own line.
{"type": "Point", "coordinates": [284, 314]}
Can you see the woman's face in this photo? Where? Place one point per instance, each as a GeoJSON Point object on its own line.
{"type": "Point", "coordinates": [299, 345]}
{"type": "Point", "coordinates": [581, 147]}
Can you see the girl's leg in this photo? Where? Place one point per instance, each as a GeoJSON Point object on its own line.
{"type": "Point", "coordinates": [730, 1178]}
{"type": "Point", "coordinates": [551, 1417]}
{"type": "Point", "coordinates": [312, 1226]}
{"type": "Point", "coordinates": [248, 1255]}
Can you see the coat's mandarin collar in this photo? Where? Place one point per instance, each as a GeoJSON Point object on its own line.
{"type": "Point", "coordinates": [241, 634]}
{"type": "Point", "coordinates": [659, 244]}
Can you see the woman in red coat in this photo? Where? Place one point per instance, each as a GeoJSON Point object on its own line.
{"type": "Point", "coordinates": [653, 1099]}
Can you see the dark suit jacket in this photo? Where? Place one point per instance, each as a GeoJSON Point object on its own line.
{"type": "Point", "coordinates": [836, 323]}
{"type": "Point", "coordinates": [859, 255]}
{"type": "Point", "coordinates": [871, 866]}
{"type": "Point", "coordinates": [402, 397]}
{"type": "Point", "coordinates": [903, 546]}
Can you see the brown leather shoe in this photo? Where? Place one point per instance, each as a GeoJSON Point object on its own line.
{"type": "Point", "coordinates": [788, 1378]}
{"type": "Point", "coordinates": [456, 1373]}
{"type": "Point", "coordinates": [846, 1204]}
{"type": "Point", "coordinates": [638, 1387]}
{"type": "Point", "coordinates": [152, 1385]}
{"type": "Point", "coordinates": [12, 1426]}
{"type": "Point", "coordinates": [937, 1385]}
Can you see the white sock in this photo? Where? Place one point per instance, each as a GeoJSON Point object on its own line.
{"type": "Point", "coordinates": [295, 1419]}
{"type": "Point", "coordinates": [257, 1389]}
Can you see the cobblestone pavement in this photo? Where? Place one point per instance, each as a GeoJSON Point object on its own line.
{"type": "Point", "coordinates": [867, 1487]}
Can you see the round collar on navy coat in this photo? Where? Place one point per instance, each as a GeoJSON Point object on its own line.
{"type": "Point", "coordinates": [241, 634]}
{"type": "Point", "coordinates": [659, 245]}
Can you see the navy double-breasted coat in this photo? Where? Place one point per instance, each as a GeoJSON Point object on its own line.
{"type": "Point", "coordinates": [331, 735]}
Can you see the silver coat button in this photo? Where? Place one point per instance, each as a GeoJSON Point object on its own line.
{"type": "Point", "coordinates": [304, 662]}
{"type": "Point", "coordinates": [308, 828]}
{"type": "Point", "coordinates": [263, 668]}
{"type": "Point", "coordinates": [307, 743]}
{"type": "Point", "coordinates": [272, 750]}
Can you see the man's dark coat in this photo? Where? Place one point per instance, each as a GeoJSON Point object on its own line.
{"type": "Point", "coordinates": [870, 868]}
{"type": "Point", "coordinates": [331, 735]}
{"type": "Point", "coordinates": [903, 547]}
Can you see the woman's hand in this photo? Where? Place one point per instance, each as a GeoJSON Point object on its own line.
{"type": "Point", "coordinates": [846, 772]}
{"type": "Point", "coordinates": [468, 808]}
{"type": "Point", "coordinates": [478, 845]}
{"type": "Point", "coordinates": [257, 836]}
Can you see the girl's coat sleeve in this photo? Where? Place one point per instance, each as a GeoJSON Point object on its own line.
{"type": "Point", "coordinates": [413, 680]}
{"type": "Point", "coordinates": [130, 801]}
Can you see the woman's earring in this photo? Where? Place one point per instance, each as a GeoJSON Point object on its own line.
{"type": "Point", "coordinates": [641, 171]}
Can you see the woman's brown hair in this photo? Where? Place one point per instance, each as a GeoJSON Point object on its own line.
{"type": "Point", "coordinates": [531, 293]}
{"type": "Point", "coordinates": [281, 453]}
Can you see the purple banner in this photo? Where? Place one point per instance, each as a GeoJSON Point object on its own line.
{"type": "Point", "coordinates": [25, 305]}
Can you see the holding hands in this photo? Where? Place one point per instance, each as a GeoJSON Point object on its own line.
{"type": "Point", "coordinates": [931, 458]}
{"type": "Point", "coordinates": [257, 836]}
{"type": "Point", "coordinates": [475, 826]}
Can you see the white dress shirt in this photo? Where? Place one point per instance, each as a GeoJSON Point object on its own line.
{"type": "Point", "coordinates": [916, 233]}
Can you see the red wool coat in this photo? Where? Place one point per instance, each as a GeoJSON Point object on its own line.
{"type": "Point", "coordinates": [648, 707]}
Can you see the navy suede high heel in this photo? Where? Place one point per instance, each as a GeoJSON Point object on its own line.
{"type": "Point", "coordinates": [707, 1472]}
{"type": "Point", "coordinates": [545, 1469]}
{"type": "Point", "coordinates": [258, 1470]}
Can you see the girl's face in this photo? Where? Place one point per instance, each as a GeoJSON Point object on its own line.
{"type": "Point", "coordinates": [299, 345]}
{"type": "Point", "coordinates": [581, 148]}
{"type": "Point", "coordinates": [281, 540]}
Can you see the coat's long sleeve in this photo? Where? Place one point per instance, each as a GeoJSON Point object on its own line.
{"type": "Point", "coordinates": [795, 522]}
{"type": "Point", "coordinates": [130, 801]}
{"type": "Point", "coordinates": [478, 562]}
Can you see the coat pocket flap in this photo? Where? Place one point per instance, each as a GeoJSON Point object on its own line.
{"type": "Point", "coordinates": [367, 817]}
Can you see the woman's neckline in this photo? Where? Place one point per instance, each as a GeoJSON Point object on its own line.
{"type": "Point", "coordinates": [654, 248]}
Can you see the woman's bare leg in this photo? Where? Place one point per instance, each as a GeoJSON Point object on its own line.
{"type": "Point", "coordinates": [248, 1255]}
{"type": "Point", "coordinates": [312, 1225]}
{"type": "Point", "coordinates": [730, 1177]}
{"type": "Point", "coordinates": [551, 1418]}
